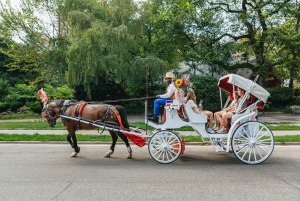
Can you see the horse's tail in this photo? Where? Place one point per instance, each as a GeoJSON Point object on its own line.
{"type": "Point", "coordinates": [123, 115]}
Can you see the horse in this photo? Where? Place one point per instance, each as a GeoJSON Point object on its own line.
{"type": "Point", "coordinates": [95, 112]}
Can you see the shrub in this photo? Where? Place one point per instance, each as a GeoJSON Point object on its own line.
{"type": "Point", "coordinates": [206, 89]}
{"type": "Point", "coordinates": [63, 92]}
{"type": "Point", "coordinates": [295, 101]}
{"type": "Point", "coordinates": [14, 105]}
{"type": "Point", "coordinates": [35, 107]}
{"type": "Point", "coordinates": [297, 92]}
{"type": "Point", "coordinates": [3, 88]}
{"type": "Point", "coordinates": [3, 106]}
{"type": "Point", "coordinates": [280, 95]}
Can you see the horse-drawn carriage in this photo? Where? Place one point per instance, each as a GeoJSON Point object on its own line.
{"type": "Point", "coordinates": [252, 142]}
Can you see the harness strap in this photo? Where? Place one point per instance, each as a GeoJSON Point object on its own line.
{"type": "Point", "coordinates": [78, 112]}
{"type": "Point", "coordinates": [118, 117]}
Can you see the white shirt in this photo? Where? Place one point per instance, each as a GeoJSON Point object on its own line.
{"type": "Point", "coordinates": [171, 89]}
{"type": "Point", "coordinates": [191, 103]}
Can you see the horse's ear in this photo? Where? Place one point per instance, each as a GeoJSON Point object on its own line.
{"type": "Point", "coordinates": [43, 114]}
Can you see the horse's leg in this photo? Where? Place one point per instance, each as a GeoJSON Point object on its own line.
{"type": "Point", "coordinates": [114, 138]}
{"type": "Point", "coordinates": [124, 138]}
{"type": "Point", "coordinates": [70, 140]}
{"type": "Point", "coordinates": [76, 148]}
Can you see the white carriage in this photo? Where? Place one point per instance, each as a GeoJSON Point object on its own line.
{"type": "Point", "coordinates": [252, 142]}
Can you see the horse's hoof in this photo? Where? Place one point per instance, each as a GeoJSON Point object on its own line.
{"type": "Point", "coordinates": [107, 155]}
{"type": "Point", "coordinates": [74, 154]}
{"type": "Point", "coordinates": [129, 156]}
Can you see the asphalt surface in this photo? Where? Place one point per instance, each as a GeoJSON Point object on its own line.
{"type": "Point", "coordinates": [47, 172]}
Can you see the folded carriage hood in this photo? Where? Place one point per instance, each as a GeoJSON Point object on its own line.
{"type": "Point", "coordinates": [226, 82]}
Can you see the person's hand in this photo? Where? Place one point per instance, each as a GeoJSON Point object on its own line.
{"type": "Point", "coordinates": [157, 96]}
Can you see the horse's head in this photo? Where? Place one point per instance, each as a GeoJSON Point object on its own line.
{"type": "Point", "coordinates": [51, 112]}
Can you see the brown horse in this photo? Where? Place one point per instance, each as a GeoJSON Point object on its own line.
{"type": "Point", "coordinates": [93, 112]}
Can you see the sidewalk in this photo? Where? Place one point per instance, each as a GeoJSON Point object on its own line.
{"type": "Point", "coordinates": [275, 117]}
{"type": "Point", "coordinates": [95, 132]}
{"type": "Point", "coordinates": [269, 117]}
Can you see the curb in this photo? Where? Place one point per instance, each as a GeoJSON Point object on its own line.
{"type": "Point", "coordinates": [109, 143]}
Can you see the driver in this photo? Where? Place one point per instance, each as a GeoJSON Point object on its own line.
{"type": "Point", "coordinates": [162, 99]}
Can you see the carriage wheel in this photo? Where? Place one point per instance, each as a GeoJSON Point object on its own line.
{"type": "Point", "coordinates": [252, 142]}
{"type": "Point", "coordinates": [164, 147]}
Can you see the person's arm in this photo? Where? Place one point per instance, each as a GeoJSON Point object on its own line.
{"type": "Point", "coordinates": [171, 90]}
{"type": "Point", "coordinates": [195, 109]}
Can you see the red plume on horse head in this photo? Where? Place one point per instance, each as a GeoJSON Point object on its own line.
{"type": "Point", "coordinates": [43, 96]}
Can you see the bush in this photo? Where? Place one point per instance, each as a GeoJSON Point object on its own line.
{"type": "Point", "coordinates": [14, 105]}
{"type": "Point", "coordinates": [280, 95]}
{"type": "Point", "coordinates": [63, 92]}
{"type": "Point", "coordinates": [295, 101]}
{"type": "Point", "coordinates": [297, 92]}
{"type": "Point", "coordinates": [35, 107]}
{"type": "Point", "coordinates": [206, 88]}
{"type": "Point", "coordinates": [3, 106]}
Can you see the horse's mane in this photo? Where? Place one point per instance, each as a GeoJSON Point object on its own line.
{"type": "Point", "coordinates": [60, 102]}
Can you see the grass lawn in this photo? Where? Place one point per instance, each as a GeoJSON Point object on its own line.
{"type": "Point", "coordinates": [107, 138]}
{"type": "Point", "coordinates": [42, 125]}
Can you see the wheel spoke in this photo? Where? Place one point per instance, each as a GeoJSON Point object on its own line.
{"type": "Point", "coordinates": [258, 152]}
{"type": "Point", "coordinates": [262, 149]}
{"type": "Point", "coordinates": [246, 152]}
{"type": "Point", "coordinates": [254, 154]}
{"type": "Point", "coordinates": [262, 136]}
{"type": "Point", "coordinates": [246, 145]}
{"type": "Point", "coordinates": [258, 133]}
{"type": "Point", "coordinates": [265, 140]}
{"type": "Point", "coordinates": [249, 157]}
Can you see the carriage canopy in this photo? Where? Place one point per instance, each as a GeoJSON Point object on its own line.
{"type": "Point", "coordinates": [226, 83]}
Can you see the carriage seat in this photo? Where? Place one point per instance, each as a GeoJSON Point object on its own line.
{"type": "Point", "coordinates": [180, 113]}
{"type": "Point", "coordinates": [194, 117]}
{"type": "Point", "coordinates": [238, 115]}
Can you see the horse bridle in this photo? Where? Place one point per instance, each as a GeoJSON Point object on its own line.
{"type": "Point", "coordinates": [48, 116]}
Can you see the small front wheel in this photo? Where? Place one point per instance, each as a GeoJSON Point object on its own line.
{"type": "Point", "coordinates": [252, 142]}
{"type": "Point", "coordinates": [164, 147]}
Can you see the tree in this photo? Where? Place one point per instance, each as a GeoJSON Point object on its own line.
{"type": "Point", "coordinates": [251, 21]}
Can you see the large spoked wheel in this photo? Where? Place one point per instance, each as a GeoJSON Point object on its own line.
{"type": "Point", "coordinates": [252, 142]}
{"type": "Point", "coordinates": [164, 147]}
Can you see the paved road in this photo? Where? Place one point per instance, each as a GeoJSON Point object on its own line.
{"type": "Point", "coordinates": [46, 172]}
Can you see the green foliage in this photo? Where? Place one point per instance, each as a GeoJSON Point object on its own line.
{"type": "Point", "coordinates": [21, 93]}
{"type": "Point", "coordinates": [295, 101]}
{"type": "Point", "coordinates": [35, 107]}
{"type": "Point", "coordinates": [63, 92]}
{"type": "Point", "coordinates": [3, 88]}
{"type": "Point", "coordinates": [280, 95]}
{"type": "Point", "coordinates": [206, 89]}
{"type": "Point", "coordinates": [297, 92]}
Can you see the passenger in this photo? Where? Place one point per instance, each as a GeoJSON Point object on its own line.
{"type": "Point", "coordinates": [191, 101]}
{"type": "Point", "coordinates": [230, 108]}
{"type": "Point", "coordinates": [228, 115]}
{"type": "Point", "coordinates": [162, 99]}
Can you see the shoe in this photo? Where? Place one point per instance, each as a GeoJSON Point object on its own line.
{"type": "Point", "coordinates": [222, 130]}
{"type": "Point", "coordinates": [215, 128]}
{"type": "Point", "coordinates": [150, 115]}
{"type": "Point", "coordinates": [154, 119]}
{"type": "Point", "coordinates": [210, 130]}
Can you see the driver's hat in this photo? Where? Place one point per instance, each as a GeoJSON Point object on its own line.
{"type": "Point", "coordinates": [169, 75]}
